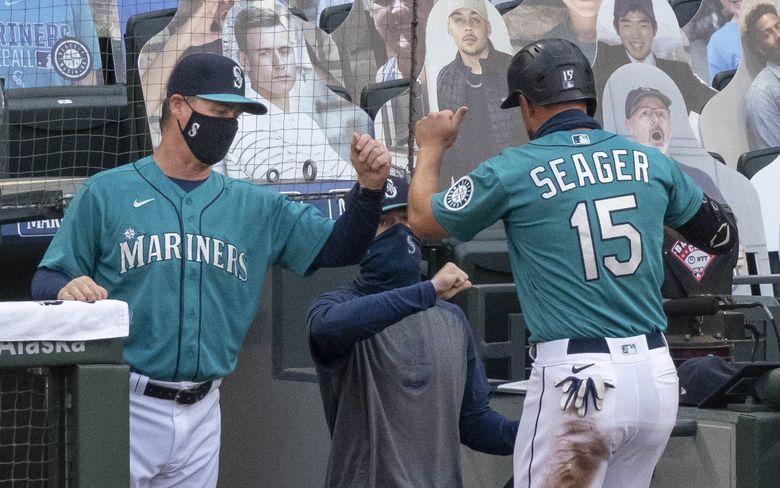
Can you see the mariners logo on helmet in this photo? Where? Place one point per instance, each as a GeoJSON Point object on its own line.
{"type": "Point", "coordinates": [459, 194]}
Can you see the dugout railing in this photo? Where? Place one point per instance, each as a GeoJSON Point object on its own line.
{"type": "Point", "coordinates": [63, 414]}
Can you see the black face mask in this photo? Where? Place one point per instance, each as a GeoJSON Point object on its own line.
{"type": "Point", "coordinates": [393, 261]}
{"type": "Point", "coordinates": [209, 138]}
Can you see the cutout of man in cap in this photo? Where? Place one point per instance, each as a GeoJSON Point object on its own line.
{"type": "Point", "coordinates": [636, 25]}
{"type": "Point", "coordinates": [476, 78]}
{"type": "Point", "coordinates": [688, 270]}
{"type": "Point", "coordinates": [648, 119]}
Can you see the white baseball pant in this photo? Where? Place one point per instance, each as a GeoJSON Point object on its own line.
{"type": "Point", "coordinates": [172, 444]}
{"type": "Point", "coordinates": [615, 447]}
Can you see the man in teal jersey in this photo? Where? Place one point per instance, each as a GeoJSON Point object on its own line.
{"type": "Point", "coordinates": [189, 249]}
{"type": "Point", "coordinates": [584, 212]}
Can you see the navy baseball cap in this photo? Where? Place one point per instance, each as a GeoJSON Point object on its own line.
{"type": "Point", "coordinates": [638, 94]}
{"type": "Point", "coordinates": [396, 193]}
{"type": "Point", "coordinates": [702, 376]}
{"type": "Point", "coordinates": [212, 77]}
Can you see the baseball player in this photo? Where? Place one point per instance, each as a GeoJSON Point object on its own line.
{"type": "Point", "coordinates": [189, 249]}
{"type": "Point", "coordinates": [399, 374]}
{"type": "Point", "coordinates": [583, 211]}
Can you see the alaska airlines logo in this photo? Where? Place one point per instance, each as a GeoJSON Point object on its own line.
{"type": "Point", "coordinates": [138, 250]}
{"type": "Point", "coordinates": [39, 347]}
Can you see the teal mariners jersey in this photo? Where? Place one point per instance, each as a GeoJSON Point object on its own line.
{"type": "Point", "coordinates": [191, 265]}
{"type": "Point", "coordinates": [584, 213]}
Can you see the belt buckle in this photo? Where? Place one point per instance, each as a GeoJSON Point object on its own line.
{"type": "Point", "coordinates": [188, 396]}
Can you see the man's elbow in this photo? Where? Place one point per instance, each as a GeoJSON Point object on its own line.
{"type": "Point", "coordinates": [425, 227]}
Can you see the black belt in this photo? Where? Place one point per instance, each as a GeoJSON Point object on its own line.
{"type": "Point", "coordinates": [186, 396]}
{"type": "Point", "coordinates": [585, 345]}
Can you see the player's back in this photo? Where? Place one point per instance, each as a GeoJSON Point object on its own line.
{"type": "Point", "coordinates": [585, 224]}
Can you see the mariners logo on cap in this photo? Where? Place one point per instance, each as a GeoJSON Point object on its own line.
{"type": "Point", "coordinates": [567, 78]}
{"type": "Point", "coordinates": [459, 194]}
{"type": "Point", "coordinates": [391, 191]}
{"type": "Point", "coordinates": [238, 77]}
{"type": "Point", "coordinates": [71, 59]}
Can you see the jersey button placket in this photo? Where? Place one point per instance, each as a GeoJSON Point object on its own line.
{"type": "Point", "coordinates": [192, 297]}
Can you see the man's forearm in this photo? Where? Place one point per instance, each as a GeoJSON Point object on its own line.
{"type": "Point", "coordinates": [425, 183]}
{"type": "Point", "coordinates": [353, 231]}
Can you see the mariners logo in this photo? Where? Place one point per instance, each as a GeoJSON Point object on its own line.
{"type": "Point", "coordinates": [459, 194]}
{"type": "Point", "coordinates": [391, 190]}
{"type": "Point", "coordinates": [71, 59]}
{"type": "Point", "coordinates": [693, 258]}
{"type": "Point", "coordinates": [238, 80]}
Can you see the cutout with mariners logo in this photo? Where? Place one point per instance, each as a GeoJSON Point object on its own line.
{"type": "Point", "coordinates": [71, 59]}
{"type": "Point", "coordinates": [459, 194]}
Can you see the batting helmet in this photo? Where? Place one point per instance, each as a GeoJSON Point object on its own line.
{"type": "Point", "coordinates": [550, 71]}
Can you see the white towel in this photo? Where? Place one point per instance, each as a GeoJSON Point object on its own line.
{"type": "Point", "coordinates": [63, 320]}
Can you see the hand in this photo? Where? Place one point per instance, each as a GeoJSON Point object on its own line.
{"type": "Point", "coordinates": [371, 160]}
{"type": "Point", "coordinates": [438, 130]}
{"type": "Point", "coordinates": [577, 391]}
{"type": "Point", "coordinates": [197, 30]}
{"type": "Point", "coordinates": [83, 289]}
{"type": "Point", "coordinates": [449, 281]}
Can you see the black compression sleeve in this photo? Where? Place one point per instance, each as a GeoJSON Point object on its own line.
{"type": "Point", "coordinates": [353, 231]}
{"type": "Point", "coordinates": [713, 229]}
{"type": "Point", "coordinates": [47, 283]}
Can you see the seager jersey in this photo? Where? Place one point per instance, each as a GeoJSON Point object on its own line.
{"type": "Point", "coordinates": [191, 265]}
{"type": "Point", "coordinates": [583, 213]}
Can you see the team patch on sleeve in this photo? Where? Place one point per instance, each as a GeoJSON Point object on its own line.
{"type": "Point", "coordinates": [459, 194]}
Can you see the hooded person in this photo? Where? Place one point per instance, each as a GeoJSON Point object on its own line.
{"type": "Point", "coordinates": [387, 344]}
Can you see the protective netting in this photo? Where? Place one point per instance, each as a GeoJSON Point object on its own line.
{"type": "Point", "coordinates": [32, 428]}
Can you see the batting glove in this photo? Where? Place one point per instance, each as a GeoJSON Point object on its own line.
{"type": "Point", "coordinates": [577, 392]}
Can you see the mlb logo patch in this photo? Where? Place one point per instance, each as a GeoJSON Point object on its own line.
{"type": "Point", "coordinates": [629, 348]}
{"type": "Point", "coordinates": [567, 78]}
{"type": "Point", "coordinates": [580, 139]}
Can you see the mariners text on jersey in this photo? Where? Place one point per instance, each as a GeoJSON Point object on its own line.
{"type": "Point", "coordinates": [140, 250]}
{"type": "Point", "coordinates": [601, 166]}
